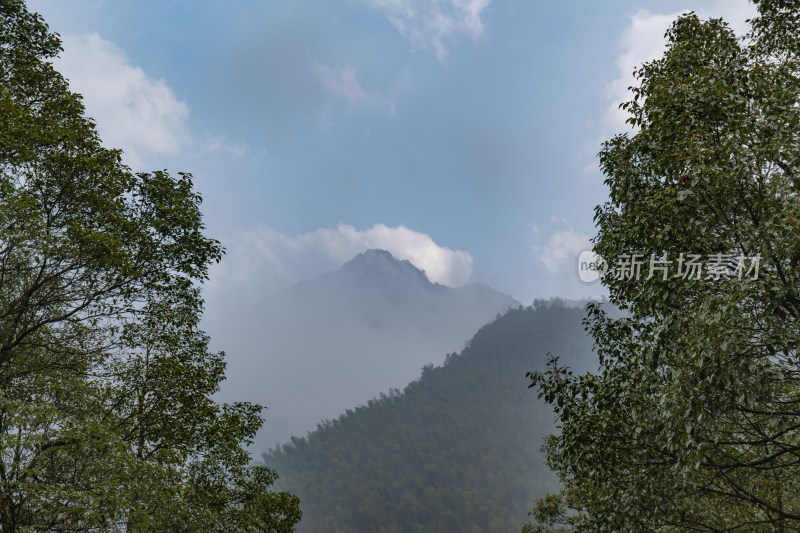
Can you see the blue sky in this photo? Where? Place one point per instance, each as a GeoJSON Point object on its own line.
{"type": "Point", "coordinates": [458, 134]}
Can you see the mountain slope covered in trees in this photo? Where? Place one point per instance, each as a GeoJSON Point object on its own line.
{"type": "Point", "coordinates": [457, 450]}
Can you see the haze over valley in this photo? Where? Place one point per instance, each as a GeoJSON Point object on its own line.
{"type": "Point", "coordinates": [321, 346]}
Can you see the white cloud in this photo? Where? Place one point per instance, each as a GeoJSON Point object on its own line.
{"type": "Point", "coordinates": [264, 259]}
{"type": "Point", "coordinates": [561, 251]}
{"type": "Point", "coordinates": [133, 111]}
{"type": "Point", "coordinates": [342, 82]}
{"type": "Point", "coordinates": [434, 24]}
{"type": "Point", "coordinates": [643, 40]}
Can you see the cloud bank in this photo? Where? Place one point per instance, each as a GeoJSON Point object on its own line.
{"type": "Point", "coordinates": [263, 259]}
{"type": "Point", "coordinates": [133, 111]}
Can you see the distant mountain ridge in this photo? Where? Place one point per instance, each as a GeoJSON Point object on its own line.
{"type": "Point", "coordinates": [383, 287]}
{"type": "Point", "coordinates": [331, 343]}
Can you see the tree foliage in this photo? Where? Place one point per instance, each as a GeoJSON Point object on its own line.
{"type": "Point", "coordinates": [691, 423]}
{"type": "Point", "coordinates": [106, 416]}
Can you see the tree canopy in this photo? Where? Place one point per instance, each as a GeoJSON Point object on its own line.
{"type": "Point", "coordinates": [691, 423]}
{"type": "Point", "coordinates": [106, 414]}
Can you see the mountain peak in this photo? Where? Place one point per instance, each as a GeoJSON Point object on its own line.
{"type": "Point", "coordinates": [381, 263]}
{"type": "Point", "coordinates": [374, 254]}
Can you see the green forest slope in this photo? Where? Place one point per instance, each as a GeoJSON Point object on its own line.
{"type": "Point", "coordinates": [457, 451]}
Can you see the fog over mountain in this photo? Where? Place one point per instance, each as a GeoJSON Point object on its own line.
{"type": "Point", "coordinates": [319, 347]}
{"type": "Point", "coordinates": [458, 450]}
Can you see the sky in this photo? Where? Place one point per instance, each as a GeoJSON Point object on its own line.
{"type": "Point", "coordinates": [458, 134]}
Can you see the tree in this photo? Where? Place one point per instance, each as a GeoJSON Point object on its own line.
{"type": "Point", "coordinates": [106, 416]}
{"type": "Point", "coordinates": [691, 423]}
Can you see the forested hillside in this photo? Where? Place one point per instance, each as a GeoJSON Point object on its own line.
{"type": "Point", "coordinates": [457, 450]}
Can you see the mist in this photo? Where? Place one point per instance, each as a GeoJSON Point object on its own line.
{"type": "Point", "coordinates": [319, 347]}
